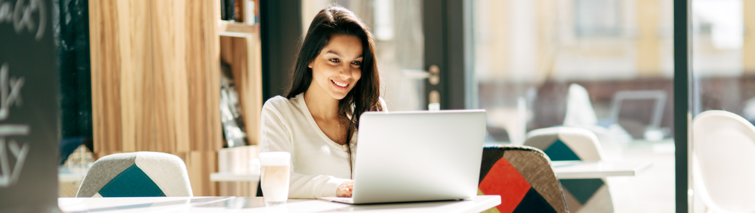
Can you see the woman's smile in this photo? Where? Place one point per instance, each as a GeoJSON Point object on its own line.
{"type": "Point", "coordinates": [340, 85]}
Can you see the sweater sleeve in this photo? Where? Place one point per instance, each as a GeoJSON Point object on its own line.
{"type": "Point", "coordinates": [276, 135]}
{"type": "Point", "coordinates": [383, 104]}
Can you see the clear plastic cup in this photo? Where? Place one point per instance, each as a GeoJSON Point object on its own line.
{"type": "Point", "coordinates": [275, 176]}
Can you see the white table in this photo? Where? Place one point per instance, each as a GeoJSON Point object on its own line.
{"type": "Point", "coordinates": [256, 204]}
{"type": "Point", "coordinates": [597, 169]}
{"type": "Point", "coordinates": [563, 170]}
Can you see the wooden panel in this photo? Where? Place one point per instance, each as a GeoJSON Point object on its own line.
{"type": "Point", "coordinates": [187, 76]}
{"type": "Point", "coordinates": [238, 189]}
{"type": "Point", "coordinates": [171, 82]}
{"type": "Point", "coordinates": [233, 27]}
{"type": "Point", "coordinates": [200, 164]}
{"type": "Point", "coordinates": [203, 72]}
{"type": "Point", "coordinates": [226, 49]}
{"type": "Point", "coordinates": [156, 81]}
{"type": "Point", "coordinates": [122, 78]}
{"type": "Point", "coordinates": [137, 101]}
{"type": "Point", "coordinates": [105, 85]}
{"type": "Point", "coordinates": [251, 86]}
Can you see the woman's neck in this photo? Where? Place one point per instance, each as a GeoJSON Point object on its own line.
{"type": "Point", "coordinates": [320, 104]}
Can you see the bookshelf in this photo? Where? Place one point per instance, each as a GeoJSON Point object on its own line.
{"type": "Point", "coordinates": [240, 48]}
{"type": "Point", "coordinates": [156, 80]}
{"type": "Point", "coordinates": [235, 29]}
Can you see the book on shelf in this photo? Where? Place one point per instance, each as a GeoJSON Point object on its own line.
{"type": "Point", "coordinates": [242, 11]}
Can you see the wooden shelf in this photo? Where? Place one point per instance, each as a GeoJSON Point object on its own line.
{"type": "Point", "coordinates": [240, 48]}
{"type": "Point", "coordinates": [235, 29]}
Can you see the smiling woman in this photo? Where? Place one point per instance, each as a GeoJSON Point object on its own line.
{"type": "Point", "coordinates": [337, 69]}
{"type": "Point", "coordinates": [334, 81]}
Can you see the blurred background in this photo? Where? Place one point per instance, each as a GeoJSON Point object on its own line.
{"type": "Point", "coordinates": [603, 65]}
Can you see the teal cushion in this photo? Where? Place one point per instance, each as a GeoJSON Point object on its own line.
{"type": "Point", "coordinates": [132, 182]}
{"type": "Point", "coordinates": [560, 151]}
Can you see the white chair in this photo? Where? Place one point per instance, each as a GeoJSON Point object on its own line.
{"type": "Point", "coordinates": [582, 142]}
{"type": "Point", "coordinates": [137, 174]}
{"type": "Point", "coordinates": [724, 161]}
{"type": "Point", "coordinates": [570, 143]}
{"type": "Point", "coordinates": [580, 113]}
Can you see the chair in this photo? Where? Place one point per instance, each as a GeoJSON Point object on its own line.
{"type": "Point", "coordinates": [579, 111]}
{"type": "Point", "coordinates": [569, 143]}
{"type": "Point", "coordinates": [580, 114]}
{"type": "Point", "coordinates": [640, 123]}
{"type": "Point", "coordinates": [137, 174]}
{"type": "Point", "coordinates": [523, 177]}
{"type": "Point", "coordinates": [723, 160]}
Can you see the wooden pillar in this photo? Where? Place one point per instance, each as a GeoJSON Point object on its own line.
{"type": "Point", "coordinates": [203, 71]}
{"type": "Point", "coordinates": [121, 57]}
{"type": "Point", "coordinates": [171, 82]}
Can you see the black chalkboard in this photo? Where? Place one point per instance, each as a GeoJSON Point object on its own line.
{"type": "Point", "coordinates": [29, 120]}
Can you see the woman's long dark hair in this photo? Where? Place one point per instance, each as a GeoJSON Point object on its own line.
{"type": "Point", "coordinates": [331, 21]}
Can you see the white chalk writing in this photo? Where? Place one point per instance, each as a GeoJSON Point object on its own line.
{"type": "Point", "coordinates": [21, 16]}
{"type": "Point", "coordinates": [10, 93]}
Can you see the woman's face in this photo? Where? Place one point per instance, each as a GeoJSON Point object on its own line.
{"type": "Point", "coordinates": [338, 67]}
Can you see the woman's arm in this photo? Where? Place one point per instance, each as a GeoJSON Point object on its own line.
{"type": "Point", "coordinates": [383, 104]}
{"type": "Point", "coordinates": [276, 135]}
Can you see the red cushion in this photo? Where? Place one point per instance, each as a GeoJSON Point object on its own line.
{"type": "Point", "coordinates": [503, 179]}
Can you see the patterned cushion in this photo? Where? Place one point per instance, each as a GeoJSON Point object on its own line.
{"type": "Point", "coordinates": [523, 177]}
{"type": "Point", "coordinates": [569, 143]}
{"type": "Point", "coordinates": [137, 174]}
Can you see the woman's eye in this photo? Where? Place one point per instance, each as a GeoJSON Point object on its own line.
{"type": "Point", "coordinates": [358, 63]}
{"type": "Point", "coordinates": [334, 60]}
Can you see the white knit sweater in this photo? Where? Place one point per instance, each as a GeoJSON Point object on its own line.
{"type": "Point", "coordinates": [319, 165]}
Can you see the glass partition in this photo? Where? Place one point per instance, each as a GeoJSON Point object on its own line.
{"type": "Point", "coordinates": [605, 66]}
{"type": "Point", "coordinates": [723, 105]}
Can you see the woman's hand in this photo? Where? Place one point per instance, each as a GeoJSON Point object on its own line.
{"type": "Point", "coordinates": [345, 189]}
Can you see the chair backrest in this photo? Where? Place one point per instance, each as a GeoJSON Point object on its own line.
{"type": "Point", "coordinates": [523, 177]}
{"type": "Point", "coordinates": [137, 174]}
{"type": "Point", "coordinates": [579, 111]}
{"type": "Point", "coordinates": [723, 160]}
{"type": "Point", "coordinates": [570, 143]}
{"type": "Point", "coordinates": [566, 143]}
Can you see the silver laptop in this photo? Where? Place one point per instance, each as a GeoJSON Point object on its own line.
{"type": "Point", "coordinates": [417, 156]}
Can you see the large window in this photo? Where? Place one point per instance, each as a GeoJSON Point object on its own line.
{"type": "Point", "coordinates": [602, 65]}
{"type": "Point", "coordinates": [605, 66]}
{"type": "Point", "coordinates": [722, 104]}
